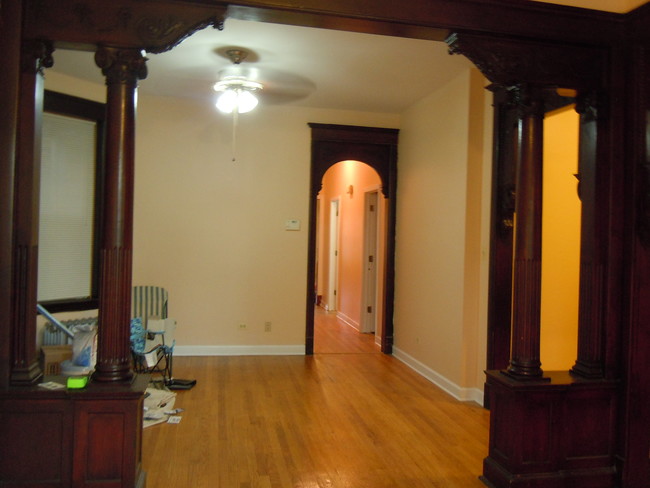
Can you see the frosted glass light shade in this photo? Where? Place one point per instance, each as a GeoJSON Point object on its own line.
{"type": "Point", "coordinates": [238, 100]}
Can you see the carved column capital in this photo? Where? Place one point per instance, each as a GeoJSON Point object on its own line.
{"type": "Point", "coordinates": [587, 105]}
{"type": "Point", "coordinates": [529, 99]}
{"type": "Point", "coordinates": [36, 56]}
{"type": "Point", "coordinates": [121, 66]}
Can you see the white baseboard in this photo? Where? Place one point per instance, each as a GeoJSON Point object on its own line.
{"type": "Point", "coordinates": [351, 322]}
{"type": "Point", "coordinates": [459, 393]}
{"type": "Point", "coordinates": [462, 394]}
{"type": "Point", "coordinates": [289, 350]}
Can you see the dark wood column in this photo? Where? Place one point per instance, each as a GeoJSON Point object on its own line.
{"type": "Point", "coordinates": [10, 34]}
{"type": "Point", "coordinates": [122, 69]}
{"type": "Point", "coordinates": [527, 276]}
{"type": "Point", "coordinates": [590, 360]}
{"type": "Point", "coordinates": [35, 56]}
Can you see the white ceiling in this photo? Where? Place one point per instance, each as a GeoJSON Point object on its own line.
{"type": "Point", "coordinates": [330, 69]}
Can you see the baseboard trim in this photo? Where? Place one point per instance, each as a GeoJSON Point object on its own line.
{"type": "Point", "coordinates": [459, 393]}
{"type": "Point", "coordinates": [288, 350]}
{"type": "Point", "coordinates": [348, 321]}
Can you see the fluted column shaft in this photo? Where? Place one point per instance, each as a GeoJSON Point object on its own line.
{"type": "Point", "coordinates": [590, 361]}
{"type": "Point", "coordinates": [35, 56]}
{"type": "Point", "coordinates": [527, 276]}
{"type": "Point", "coordinates": [122, 69]}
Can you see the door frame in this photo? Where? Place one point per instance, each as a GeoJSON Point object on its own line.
{"type": "Point", "coordinates": [377, 147]}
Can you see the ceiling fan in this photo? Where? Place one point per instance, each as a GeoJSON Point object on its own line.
{"type": "Point", "coordinates": [241, 83]}
{"type": "Point", "coordinates": [236, 85]}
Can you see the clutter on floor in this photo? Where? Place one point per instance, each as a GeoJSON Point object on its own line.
{"type": "Point", "coordinates": [159, 407]}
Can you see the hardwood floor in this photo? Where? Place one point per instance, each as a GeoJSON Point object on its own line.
{"type": "Point", "coordinates": [355, 420]}
{"type": "Point", "coordinates": [333, 336]}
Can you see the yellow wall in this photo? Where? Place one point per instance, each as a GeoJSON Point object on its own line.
{"type": "Point", "coordinates": [560, 242]}
{"type": "Point", "coordinates": [619, 6]}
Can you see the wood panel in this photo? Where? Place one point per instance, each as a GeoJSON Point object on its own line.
{"type": "Point", "coordinates": [553, 433]}
{"type": "Point", "coordinates": [72, 438]}
{"type": "Point", "coordinates": [27, 424]}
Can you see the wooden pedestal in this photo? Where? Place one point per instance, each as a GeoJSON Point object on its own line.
{"type": "Point", "coordinates": [72, 438]}
{"type": "Point", "coordinates": [551, 434]}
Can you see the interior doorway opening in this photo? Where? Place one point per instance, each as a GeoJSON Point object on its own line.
{"type": "Point", "coordinates": [372, 153]}
{"type": "Point", "coordinates": [350, 254]}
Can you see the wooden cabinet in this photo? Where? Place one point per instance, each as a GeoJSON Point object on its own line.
{"type": "Point", "coordinates": [90, 437]}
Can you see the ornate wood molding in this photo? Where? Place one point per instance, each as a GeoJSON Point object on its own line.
{"type": "Point", "coordinates": [512, 61]}
{"type": "Point", "coordinates": [36, 56]}
{"type": "Point", "coordinates": [155, 26]}
{"type": "Point", "coordinates": [121, 65]}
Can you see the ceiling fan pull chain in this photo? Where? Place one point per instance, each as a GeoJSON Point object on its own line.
{"type": "Point", "coordinates": [235, 120]}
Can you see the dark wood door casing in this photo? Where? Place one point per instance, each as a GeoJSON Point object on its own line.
{"type": "Point", "coordinates": [376, 147]}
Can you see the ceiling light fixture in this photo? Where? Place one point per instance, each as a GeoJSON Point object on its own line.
{"type": "Point", "coordinates": [236, 94]}
{"type": "Point", "coordinates": [237, 91]}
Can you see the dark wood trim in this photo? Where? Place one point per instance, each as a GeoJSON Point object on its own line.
{"type": "Point", "coordinates": [154, 26]}
{"type": "Point", "coordinates": [634, 417]}
{"type": "Point", "coordinates": [501, 235]}
{"type": "Point", "coordinates": [35, 57]}
{"type": "Point", "coordinates": [10, 41]}
{"type": "Point", "coordinates": [159, 25]}
{"type": "Point", "coordinates": [377, 147]}
{"type": "Point", "coordinates": [122, 69]}
{"type": "Point", "coordinates": [435, 19]}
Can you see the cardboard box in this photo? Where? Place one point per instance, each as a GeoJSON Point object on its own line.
{"type": "Point", "coordinates": [53, 356]}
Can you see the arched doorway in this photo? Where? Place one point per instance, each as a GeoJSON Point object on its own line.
{"type": "Point", "coordinates": [349, 259]}
{"type": "Point", "coordinates": [378, 148]}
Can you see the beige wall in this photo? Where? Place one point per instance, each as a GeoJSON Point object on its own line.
{"type": "Point", "coordinates": [441, 223]}
{"type": "Point", "coordinates": [212, 230]}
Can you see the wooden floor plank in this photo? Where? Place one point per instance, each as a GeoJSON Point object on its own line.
{"type": "Point", "coordinates": [344, 420]}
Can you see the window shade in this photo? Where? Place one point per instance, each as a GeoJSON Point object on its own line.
{"type": "Point", "coordinates": [67, 208]}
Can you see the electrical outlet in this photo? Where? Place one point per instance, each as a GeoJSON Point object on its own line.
{"type": "Point", "coordinates": [267, 326]}
{"type": "Point", "coordinates": [242, 326]}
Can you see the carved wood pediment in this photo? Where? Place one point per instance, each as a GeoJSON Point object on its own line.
{"type": "Point", "coordinates": [155, 26]}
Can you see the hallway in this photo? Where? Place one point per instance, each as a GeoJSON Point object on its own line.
{"type": "Point", "coordinates": [353, 420]}
{"type": "Point", "coordinates": [333, 336]}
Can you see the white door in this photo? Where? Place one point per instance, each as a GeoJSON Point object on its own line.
{"type": "Point", "coordinates": [332, 299]}
{"type": "Point", "coordinates": [369, 286]}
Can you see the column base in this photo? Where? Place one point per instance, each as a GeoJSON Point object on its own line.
{"type": "Point", "coordinates": [555, 432]}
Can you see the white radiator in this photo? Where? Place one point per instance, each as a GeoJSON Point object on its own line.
{"type": "Point", "coordinates": [52, 336]}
